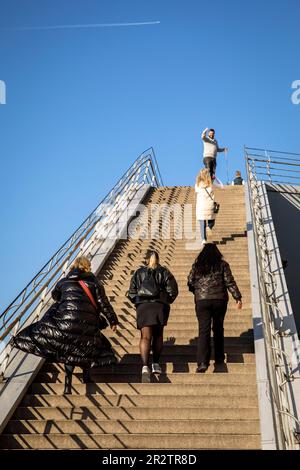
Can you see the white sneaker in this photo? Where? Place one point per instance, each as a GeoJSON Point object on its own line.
{"type": "Point", "coordinates": [203, 242]}
{"type": "Point", "coordinates": [156, 369]}
{"type": "Point", "coordinates": [145, 375]}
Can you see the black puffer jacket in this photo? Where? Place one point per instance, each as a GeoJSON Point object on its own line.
{"type": "Point", "coordinates": [214, 285]}
{"type": "Point", "coordinates": [165, 281]}
{"type": "Point", "coordinates": [69, 330]}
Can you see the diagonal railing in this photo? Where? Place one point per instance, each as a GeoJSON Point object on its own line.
{"type": "Point", "coordinates": [265, 166]}
{"type": "Point", "coordinates": [100, 224]}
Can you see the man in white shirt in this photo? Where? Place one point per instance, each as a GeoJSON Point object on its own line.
{"type": "Point", "coordinates": [210, 149]}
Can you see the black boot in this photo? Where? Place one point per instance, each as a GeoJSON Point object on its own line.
{"type": "Point", "coordinates": [68, 379]}
{"type": "Point", "coordinates": [86, 377]}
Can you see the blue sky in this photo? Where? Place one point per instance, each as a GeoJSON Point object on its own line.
{"type": "Point", "coordinates": [83, 103]}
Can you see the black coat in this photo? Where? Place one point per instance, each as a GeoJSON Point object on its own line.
{"type": "Point", "coordinates": [69, 330]}
{"type": "Point", "coordinates": [165, 281]}
{"type": "Point", "coordinates": [213, 285]}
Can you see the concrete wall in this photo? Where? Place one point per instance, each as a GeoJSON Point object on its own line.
{"type": "Point", "coordinates": [285, 208]}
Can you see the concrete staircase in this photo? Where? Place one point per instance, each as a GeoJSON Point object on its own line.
{"type": "Point", "coordinates": [180, 409]}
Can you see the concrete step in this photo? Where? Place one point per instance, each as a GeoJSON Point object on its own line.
{"type": "Point", "coordinates": [122, 278]}
{"type": "Point", "coordinates": [131, 368]}
{"type": "Point", "coordinates": [180, 271]}
{"type": "Point", "coordinates": [182, 356]}
{"type": "Point", "coordinates": [173, 348]}
{"type": "Point", "coordinates": [174, 378]}
{"type": "Point", "coordinates": [188, 309]}
{"type": "Point", "coordinates": [242, 266]}
{"type": "Point", "coordinates": [177, 243]}
{"type": "Point", "coordinates": [185, 296]}
{"type": "Point", "coordinates": [177, 246]}
{"type": "Point", "coordinates": [188, 260]}
{"type": "Point", "coordinates": [182, 267]}
{"type": "Point", "coordinates": [188, 321]}
{"type": "Point", "coordinates": [186, 334]}
{"type": "Point", "coordinates": [182, 286]}
{"type": "Point", "coordinates": [137, 408]}
{"type": "Point", "coordinates": [168, 388]}
{"type": "Point", "coordinates": [232, 336]}
{"type": "Point", "coordinates": [192, 243]}
{"type": "Point", "coordinates": [172, 342]}
{"type": "Point", "coordinates": [181, 329]}
{"type": "Point", "coordinates": [131, 441]}
{"type": "Point", "coordinates": [134, 426]}
{"type": "Point", "coordinates": [184, 359]}
{"type": "Point", "coordinates": [177, 320]}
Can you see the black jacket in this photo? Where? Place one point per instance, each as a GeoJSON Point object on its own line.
{"type": "Point", "coordinates": [238, 181]}
{"type": "Point", "coordinates": [165, 281]}
{"type": "Point", "coordinates": [213, 285]}
{"type": "Point", "coordinates": [69, 330]}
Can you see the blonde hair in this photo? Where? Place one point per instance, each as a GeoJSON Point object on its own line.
{"type": "Point", "coordinates": [82, 263]}
{"type": "Point", "coordinates": [203, 177]}
{"type": "Point", "coordinates": [152, 259]}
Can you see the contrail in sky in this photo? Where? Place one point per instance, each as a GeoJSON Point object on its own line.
{"type": "Point", "coordinates": [77, 26]}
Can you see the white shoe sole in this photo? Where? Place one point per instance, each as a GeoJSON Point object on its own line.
{"type": "Point", "coordinates": [145, 378]}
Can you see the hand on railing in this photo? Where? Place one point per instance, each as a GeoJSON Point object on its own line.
{"type": "Point", "coordinates": [239, 304]}
{"type": "Point", "coordinates": [114, 328]}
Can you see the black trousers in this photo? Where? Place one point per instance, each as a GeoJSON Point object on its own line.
{"type": "Point", "coordinates": [210, 163]}
{"type": "Point", "coordinates": [210, 313]}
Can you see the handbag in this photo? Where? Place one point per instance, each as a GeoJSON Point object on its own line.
{"type": "Point", "coordinates": [216, 204]}
{"type": "Point", "coordinates": [103, 323]}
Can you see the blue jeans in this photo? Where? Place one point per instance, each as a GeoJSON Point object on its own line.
{"type": "Point", "coordinates": [203, 223]}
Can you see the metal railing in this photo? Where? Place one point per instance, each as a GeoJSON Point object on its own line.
{"type": "Point", "coordinates": [36, 296]}
{"type": "Point", "coordinates": [264, 166]}
{"type": "Point", "coordinates": [273, 166]}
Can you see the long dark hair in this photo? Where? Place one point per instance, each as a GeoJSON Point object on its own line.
{"type": "Point", "coordinates": [209, 260]}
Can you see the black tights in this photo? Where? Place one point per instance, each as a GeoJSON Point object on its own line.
{"type": "Point", "coordinates": [151, 337]}
{"type": "Point", "coordinates": [69, 369]}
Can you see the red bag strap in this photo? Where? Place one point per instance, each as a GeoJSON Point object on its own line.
{"type": "Point", "coordinates": [88, 293]}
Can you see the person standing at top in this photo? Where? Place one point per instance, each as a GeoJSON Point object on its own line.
{"type": "Point", "coordinates": [238, 180]}
{"type": "Point", "coordinates": [210, 150]}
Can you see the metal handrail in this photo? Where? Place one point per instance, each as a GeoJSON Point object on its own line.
{"type": "Point", "coordinates": [99, 224]}
{"type": "Point", "coordinates": [249, 151]}
{"type": "Point", "coordinates": [278, 361]}
{"type": "Point", "coordinates": [273, 166]}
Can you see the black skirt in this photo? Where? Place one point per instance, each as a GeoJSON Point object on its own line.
{"type": "Point", "coordinates": [152, 313]}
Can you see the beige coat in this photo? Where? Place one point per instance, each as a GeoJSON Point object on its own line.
{"type": "Point", "coordinates": [204, 203]}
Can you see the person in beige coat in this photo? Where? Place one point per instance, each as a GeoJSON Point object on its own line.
{"type": "Point", "coordinates": [205, 202]}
